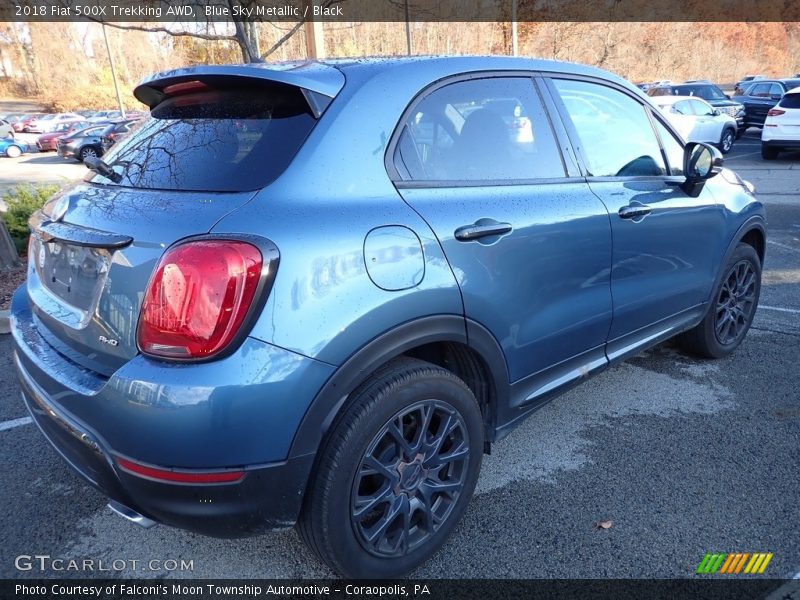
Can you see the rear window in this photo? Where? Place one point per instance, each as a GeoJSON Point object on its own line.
{"type": "Point", "coordinates": [216, 140]}
{"type": "Point", "coordinates": [790, 101]}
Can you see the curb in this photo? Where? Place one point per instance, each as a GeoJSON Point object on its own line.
{"type": "Point", "coordinates": [5, 326]}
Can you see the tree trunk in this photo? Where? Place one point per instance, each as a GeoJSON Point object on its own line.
{"type": "Point", "coordinates": [8, 251]}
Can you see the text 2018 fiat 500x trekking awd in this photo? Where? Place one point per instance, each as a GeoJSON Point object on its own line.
{"type": "Point", "coordinates": [315, 293]}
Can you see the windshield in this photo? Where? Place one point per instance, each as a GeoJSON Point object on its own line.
{"type": "Point", "coordinates": [232, 139]}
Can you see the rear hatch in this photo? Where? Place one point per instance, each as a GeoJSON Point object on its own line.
{"type": "Point", "coordinates": [785, 123]}
{"type": "Point", "coordinates": [216, 136]}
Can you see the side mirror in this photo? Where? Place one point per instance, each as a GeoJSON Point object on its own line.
{"type": "Point", "coordinates": [715, 113]}
{"type": "Point", "coordinates": [700, 163]}
{"type": "Point", "coordinates": [728, 96]}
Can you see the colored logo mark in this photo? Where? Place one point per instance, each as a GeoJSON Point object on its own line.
{"type": "Point", "coordinates": [734, 563]}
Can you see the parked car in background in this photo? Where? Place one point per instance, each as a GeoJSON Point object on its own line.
{"type": "Point", "coordinates": [6, 130]}
{"type": "Point", "coordinates": [708, 92]}
{"type": "Point", "coordinates": [82, 144]}
{"type": "Point", "coordinates": [49, 123]}
{"type": "Point", "coordinates": [103, 116]}
{"type": "Point", "coordinates": [115, 131]}
{"type": "Point", "coordinates": [250, 303]}
{"type": "Point", "coordinates": [762, 95]}
{"type": "Point", "coordinates": [697, 121]}
{"type": "Point", "coordinates": [781, 129]}
{"type": "Point", "coordinates": [21, 123]}
{"type": "Point", "coordinates": [13, 117]}
{"type": "Point", "coordinates": [48, 142]}
{"type": "Point", "coordinates": [742, 84]}
{"type": "Point", "coordinates": [13, 148]}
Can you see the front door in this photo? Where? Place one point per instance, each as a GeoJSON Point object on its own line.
{"type": "Point", "coordinates": [664, 241]}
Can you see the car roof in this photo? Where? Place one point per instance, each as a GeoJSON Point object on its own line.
{"type": "Point", "coordinates": [793, 91]}
{"type": "Point", "coordinates": [328, 76]}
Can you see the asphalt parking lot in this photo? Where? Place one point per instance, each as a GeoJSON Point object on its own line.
{"type": "Point", "coordinates": [683, 456]}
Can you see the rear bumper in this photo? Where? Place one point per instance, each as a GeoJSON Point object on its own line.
{"type": "Point", "coordinates": [268, 498]}
{"type": "Point", "coordinates": [89, 424]}
{"type": "Point", "coordinates": [780, 142]}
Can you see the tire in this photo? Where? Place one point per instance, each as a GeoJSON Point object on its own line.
{"type": "Point", "coordinates": [732, 308]}
{"type": "Point", "coordinates": [86, 152]}
{"type": "Point", "coordinates": [769, 152]}
{"type": "Point", "coordinates": [361, 464]}
{"type": "Point", "coordinates": [13, 151]}
{"type": "Point", "coordinates": [726, 140]}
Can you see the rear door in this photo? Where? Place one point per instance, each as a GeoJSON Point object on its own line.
{"type": "Point", "coordinates": [203, 153]}
{"type": "Point", "coordinates": [665, 242]}
{"type": "Point", "coordinates": [528, 242]}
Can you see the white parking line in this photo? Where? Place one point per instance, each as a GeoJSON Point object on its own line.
{"type": "Point", "coordinates": [15, 423]}
{"type": "Point", "coordinates": [743, 155]}
{"type": "Point", "coordinates": [784, 246]}
{"type": "Point", "coordinates": [780, 309]}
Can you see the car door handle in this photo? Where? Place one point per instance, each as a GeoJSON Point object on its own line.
{"type": "Point", "coordinates": [634, 211]}
{"type": "Point", "coordinates": [481, 228]}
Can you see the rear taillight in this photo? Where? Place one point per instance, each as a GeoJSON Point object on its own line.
{"type": "Point", "coordinates": [774, 112]}
{"type": "Point", "coordinates": [198, 298]}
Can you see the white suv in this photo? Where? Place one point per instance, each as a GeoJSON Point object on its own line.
{"type": "Point", "coordinates": [782, 127]}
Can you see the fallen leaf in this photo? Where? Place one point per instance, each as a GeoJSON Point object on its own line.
{"type": "Point", "coordinates": [608, 524]}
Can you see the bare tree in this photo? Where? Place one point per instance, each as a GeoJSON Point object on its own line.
{"type": "Point", "coordinates": [244, 35]}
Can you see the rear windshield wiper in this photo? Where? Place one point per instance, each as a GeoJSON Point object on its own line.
{"type": "Point", "coordinates": [101, 167]}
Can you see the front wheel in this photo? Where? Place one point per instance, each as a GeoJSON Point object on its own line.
{"type": "Point", "coordinates": [395, 472]}
{"type": "Point", "coordinates": [732, 308]}
{"type": "Point", "coordinates": [726, 141]}
{"type": "Point", "coordinates": [13, 151]}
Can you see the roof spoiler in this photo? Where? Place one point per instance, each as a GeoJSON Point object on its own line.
{"type": "Point", "coordinates": [319, 83]}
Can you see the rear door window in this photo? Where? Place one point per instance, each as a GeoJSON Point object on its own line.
{"type": "Point", "coordinates": [219, 140]}
{"type": "Point", "coordinates": [479, 130]}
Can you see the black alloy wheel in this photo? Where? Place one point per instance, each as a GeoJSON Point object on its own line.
{"type": "Point", "coordinates": [410, 478]}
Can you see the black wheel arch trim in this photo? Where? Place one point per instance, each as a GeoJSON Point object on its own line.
{"type": "Point", "coordinates": [754, 223]}
{"type": "Point", "coordinates": [355, 370]}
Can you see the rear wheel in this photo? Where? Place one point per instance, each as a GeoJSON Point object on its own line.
{"type": "Point", "coordinates": [732, 308]}
{"type": "Point", "coordinates": [395, 473]}
{"type": "Point", "coordinates": [769, 152]}
{"type": "Point", "coordinates": [87, 152]}
{"type": "Point", "coordinates": [726, 141]}
{"type": "Point", "coordinates": [13, 151]}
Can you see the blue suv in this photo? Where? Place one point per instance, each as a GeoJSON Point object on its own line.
{"type": "Point", "coordinates": [315, 293]}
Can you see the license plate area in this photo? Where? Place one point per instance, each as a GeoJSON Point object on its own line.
{"type": "Point", "coordinates": [73, 274]}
